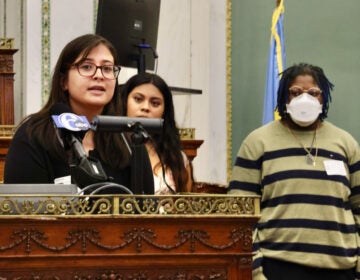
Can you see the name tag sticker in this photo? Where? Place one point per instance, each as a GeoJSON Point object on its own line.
{"type": "Point", "coordinates": [335, 167]}
{"type": "Point", "coordinates": [63, 180]}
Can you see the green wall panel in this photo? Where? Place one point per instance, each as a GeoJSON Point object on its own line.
{"type": "Point", "coordinates": [324, 33]}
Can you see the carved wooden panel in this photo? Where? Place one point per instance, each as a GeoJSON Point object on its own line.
{"type": "Point", "coordinates": [7, 86]}
{"type": "Point", "coordinates": [204, 247]}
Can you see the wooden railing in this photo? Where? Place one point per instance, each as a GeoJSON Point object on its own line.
{"type": "Point", "coordinates": [189, 146]}
{"type": "Point", "coordinates": [127, 237]}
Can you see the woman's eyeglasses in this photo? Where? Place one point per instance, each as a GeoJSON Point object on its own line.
{"type": "Point", "coordinates": [88, 69]}
{"type": "Point", "coordinates": [297, 90]}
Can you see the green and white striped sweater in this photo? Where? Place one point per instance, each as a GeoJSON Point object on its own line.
{"type": "Point", "coordinates": [310, 215]}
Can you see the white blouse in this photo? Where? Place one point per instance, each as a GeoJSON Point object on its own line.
{"type": "Point", "coordinates": [160, 186]}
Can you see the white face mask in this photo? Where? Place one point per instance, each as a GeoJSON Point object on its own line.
{"type": "Point", "coordinates": [304, 109]}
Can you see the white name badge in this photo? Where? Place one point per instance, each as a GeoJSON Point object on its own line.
{"type": "Point", "coordinates": [335, 167]}
{"type": "Point", "coordinates": [66, 180]}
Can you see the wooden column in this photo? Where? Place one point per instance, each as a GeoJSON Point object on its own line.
{"type": "Point", "coordinates": [7, 86]}
{"type": "Point", "coordinates": [6, 98]}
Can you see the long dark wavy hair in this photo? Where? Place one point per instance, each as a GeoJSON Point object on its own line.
{"type": "Point", "coordinates": [41, 127]}
{"type": "Point", "coordinates": [167, 143]}
{"type": "Point", "coordinates": [288, 77]}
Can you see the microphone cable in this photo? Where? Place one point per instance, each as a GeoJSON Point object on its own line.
{"type": "Point", "coordinates": [104, 185]}
{"type": "Point", "coordinates": [112, 185]}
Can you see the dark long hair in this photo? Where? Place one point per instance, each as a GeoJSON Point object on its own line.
{"type": "Point", "coordinates": [167, 143]}
{"type": "Point", "coordinates": [290, 74]}
{"type": "Point", "coordinates": [41, 126]}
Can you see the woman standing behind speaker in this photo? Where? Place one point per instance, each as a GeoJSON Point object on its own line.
{"type": "Point", "coordinates": [147, 95]}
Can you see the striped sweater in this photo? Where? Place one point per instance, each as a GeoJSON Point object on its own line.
{"type": "Point", "coordinates": [310, 214]}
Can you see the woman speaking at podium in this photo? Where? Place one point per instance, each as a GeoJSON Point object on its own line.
{"type": "Point", "coordinates": [85, 81]}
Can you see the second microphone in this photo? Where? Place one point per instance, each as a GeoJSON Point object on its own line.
{"type": "Point", "coordinates": [120, 124]}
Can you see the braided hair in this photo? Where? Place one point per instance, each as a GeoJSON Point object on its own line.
{"type": "Point", "coordinates": [290, 74]}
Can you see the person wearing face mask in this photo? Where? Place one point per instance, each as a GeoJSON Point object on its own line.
{"type": "Point", "coordinates": [307, 172]}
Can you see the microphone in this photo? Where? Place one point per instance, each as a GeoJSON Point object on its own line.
{"type": "Point", "coordinates": [72, 128]}
{"type": "Point", "coordinates": [119, 124]}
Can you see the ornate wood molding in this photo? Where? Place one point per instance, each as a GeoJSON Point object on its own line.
{"type": "Point", "coordinates": [228, 88]}
{"type": "Point", "coordinates": [7, 61]}
{"type": "Point", "coordinates": [45, 49]}
{"type": "Point", "coordinates": [119, 274]}
{"type": "Point", "coordinates": [33, 241]}
{"type": "Point", "coordinates": [180, 245]}
{"type": "Point", "coordinates": [87, 205]}
{"type": "Point", "coordinates": [6, 43]}
{"type": "Point", "coordinates": [7, 86]}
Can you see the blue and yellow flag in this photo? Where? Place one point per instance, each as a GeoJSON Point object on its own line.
{"type": "Point", "coordinates": [276, 63]}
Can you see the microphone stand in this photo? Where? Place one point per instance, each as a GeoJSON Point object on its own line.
{"type": "Point", "coordinates": [88, 173]}
{"type": "Point", "coordinates": [139, 137]}
{"type": "Point", "coordinates": [84, 170]}
{"type": "Point", "coordinates": [141, 62]}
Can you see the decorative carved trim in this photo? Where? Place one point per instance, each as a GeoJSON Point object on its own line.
{"type": "Point", "coordinates": [75, 205]}
{"type": "Point", "coordinates": [6, 43]}
{"type": "Point", "coordinates": [228, 89]}
{"type": "Point", "coordinates": [7, 131]}
{"type": "Point", "coordinates": [31, 238]}
{"type": "Point", "coordinates": [180, 245]}
{"type": "Point", "coordinates": [119, 274]}
{"type": "Point", "coordinates": [187, 133]}
{"type": "Point", "coordinates": [7, 61]}
{"type": "Point", "coordinates": [45, 49]}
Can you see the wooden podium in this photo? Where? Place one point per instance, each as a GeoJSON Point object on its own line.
{"type": "Point", "coordinates": [6, 132]}
{"type": "Point", "coordinates": [127, 237]}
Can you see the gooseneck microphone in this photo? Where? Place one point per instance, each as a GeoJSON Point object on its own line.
{"type": "Point", "coordinates": [138, 128]}
{"type": "Point", "coordinates": [86, 171]}
{"type": "Point", "coordinates": [121, 124]}
{"type": "Point", "coordinates": [71, 129]}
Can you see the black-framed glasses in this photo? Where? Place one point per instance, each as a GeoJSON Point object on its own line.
{"type": "Point", "coordinates": [297, 90]}
{"type": "Point", "coordinates": [88, 69]}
